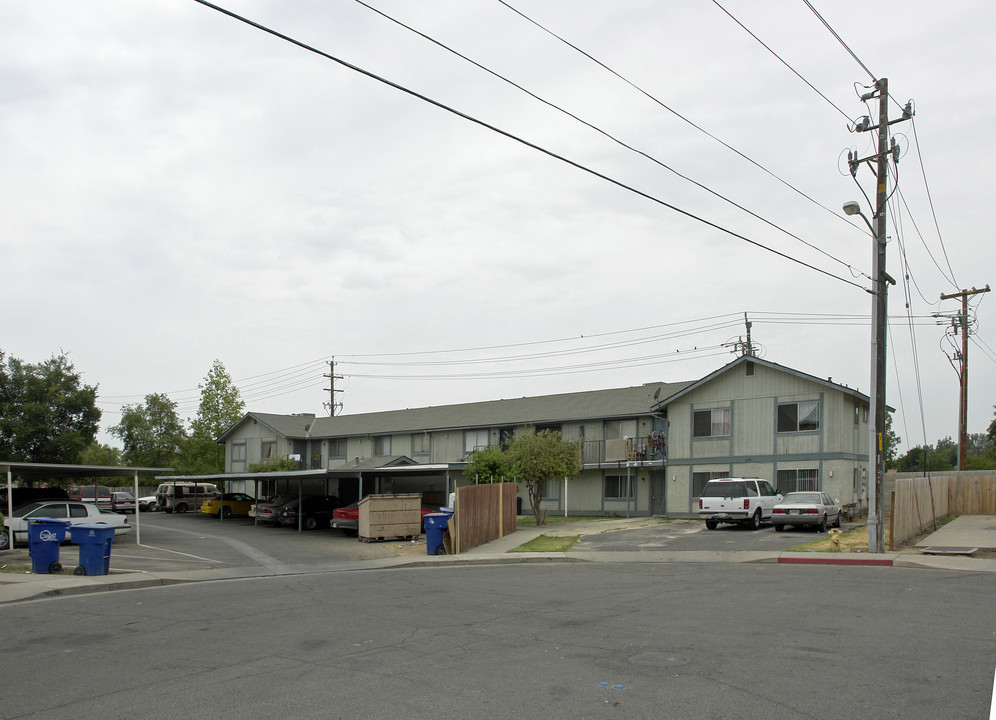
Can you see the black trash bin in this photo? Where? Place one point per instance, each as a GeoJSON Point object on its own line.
{"type": "Point", "coordinates": [45, 535]}
{"type": "Point", "coordinates": [95, 548]}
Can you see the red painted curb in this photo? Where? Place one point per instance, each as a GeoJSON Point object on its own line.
{"type": "Point", "coordinates": [881, 562]}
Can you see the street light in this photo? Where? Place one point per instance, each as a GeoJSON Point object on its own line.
{"type": "Point", "coordinates": [876, 439]}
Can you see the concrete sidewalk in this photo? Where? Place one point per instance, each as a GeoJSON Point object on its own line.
{"type": "Point", "coordinates": [965, 531]}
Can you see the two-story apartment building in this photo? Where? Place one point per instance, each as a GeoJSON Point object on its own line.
{"type": "Point", "coordinates": [645, 450]}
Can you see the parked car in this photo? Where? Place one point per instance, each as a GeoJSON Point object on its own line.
{"type": "Point", "coordinates": [266, 511]}
{"type": "Point", "coordinates": [347, 518]}
{"type": "Point", "coordinates": [88, 493]}
{"type": "Point", "coordinates": [316, 511]}
{"type": "Point", "coordinates": [148, 503]}
{"type": "Point", "coordinates": [180, 496]}
{"type": "Point", "coordinates": [76, 512]}
{"type": "Point", "coordinates": [806, 509]}
{"type": "Point", "coordinates": [122, 502]}
{"type": "Point", "coordinates": [229, 504]}
{"type": "Point", "coordinates": [746, 501]}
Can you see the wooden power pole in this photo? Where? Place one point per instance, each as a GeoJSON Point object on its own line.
{"type": "Point", "coordinates": [963, 373]}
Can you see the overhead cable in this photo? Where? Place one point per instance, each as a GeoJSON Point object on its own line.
{"type": "Point", "coordinates": [524, 142]}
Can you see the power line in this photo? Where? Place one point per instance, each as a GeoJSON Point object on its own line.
{"type": "Point", "coordinates": [782, 60]}
{"type": "Point", "coordinates": [678, 115]}
{"type": "Point", "coordinates": [612, 137]}
{"type": "Point", "coordinates": [841, 41]}
{"type": "Point", "coordinates": [522, 141]}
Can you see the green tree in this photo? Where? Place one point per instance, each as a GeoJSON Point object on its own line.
{"type": "Point", "coordinates": [538, 457]}
{"type": "Point", "coordinates": [487, 465]}
{"type": "Point", "coordinates": [97, 454]}
{"type": "Point", "coordinates": [221, 407]}
{"type": "Point", "coordinates": [152, 434]}
{"type": "Point", "coordinates": [892, 440]}
{"type": "Point", "coordinates": [47, 413]}
{"type": "Point", "coordinates": [274, 465]}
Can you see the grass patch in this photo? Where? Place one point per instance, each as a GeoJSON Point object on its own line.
{"type": "Point", "coordinates": [854, 540]}
{"type": "Point", "coordinates": [546, 543]}
{"type": "Point", "coordinates": [20, 569]}
{"type": "Point", "coordinates": [530, 521]}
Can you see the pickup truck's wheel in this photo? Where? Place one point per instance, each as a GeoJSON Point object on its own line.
{"type": "Point", "coordinates": [310, 523]}
{"type": "Point", "coordinates": [823, 523]}
{"type": "Point", "coordinates": [755, 522]}
{"type": "Point", "coordinates": [711, 524]}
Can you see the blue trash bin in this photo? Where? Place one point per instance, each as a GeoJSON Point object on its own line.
{"type": "Point", "coordinates": [45, 535]}
{"type": "Point", "coordinates": [95, 548]}
{"type": "Point", "coordinates": [435, 524]}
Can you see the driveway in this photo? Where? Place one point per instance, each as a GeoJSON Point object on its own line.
{"type": "Point", "coordinates": [691, 535]}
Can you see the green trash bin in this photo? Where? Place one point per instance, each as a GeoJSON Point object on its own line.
{"type": "Point", "coordinates": [45, 535]}
{"type": "Point", "coordinates": [95, 548]}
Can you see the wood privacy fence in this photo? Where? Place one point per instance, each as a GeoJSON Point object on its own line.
{"type": "Point", "coordinates": [917, 501]}
{"type": "Point", "coordinates": [483, 513]}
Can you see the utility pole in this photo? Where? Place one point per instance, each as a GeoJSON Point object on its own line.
{"type": "Point", "coordinates": [963, 374]}
{"type": "Point", "coordinates": [332, 405]}
{"type": "Point", "coordinates": [880, 303]}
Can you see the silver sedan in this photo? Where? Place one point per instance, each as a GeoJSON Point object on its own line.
{"type": "Point", "coordinates": [806, 509]}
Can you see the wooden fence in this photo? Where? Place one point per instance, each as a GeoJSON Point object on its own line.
{"type": "Point", "coordinates": [483, 513]}
{"type": "Point", "coordinates": [917, 501]}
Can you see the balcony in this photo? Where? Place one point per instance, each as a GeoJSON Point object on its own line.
{"type": "Point", "coordinates": [651, 449]}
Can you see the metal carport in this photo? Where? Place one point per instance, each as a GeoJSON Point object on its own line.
{"type": "Point", "coordinates": [57, 471]}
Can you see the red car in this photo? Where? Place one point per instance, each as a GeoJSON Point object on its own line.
{"type": "Point", "coordinates": [347, 518]}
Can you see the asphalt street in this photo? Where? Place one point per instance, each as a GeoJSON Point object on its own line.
{"type": "Point", "coordinates": [565, 640]}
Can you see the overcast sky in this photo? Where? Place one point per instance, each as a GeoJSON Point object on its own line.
{"type": "Point", "coordinates": [178, 186]}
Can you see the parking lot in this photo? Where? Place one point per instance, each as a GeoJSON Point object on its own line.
{"type": "Point", "coordinates": [191, 541]}
{"type": "Point", "coordinates": [691, 535]}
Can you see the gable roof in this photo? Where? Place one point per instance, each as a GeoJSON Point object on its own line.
{"type": "Point", "coordinates": [565, 407]}
{"type": "Point", "coordinates": [764, 363]}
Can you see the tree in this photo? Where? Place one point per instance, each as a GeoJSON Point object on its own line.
{"type": "Point", "coordinates": [537, 457]}
{"type": "Point", "coordinates": [892, 440]}
{"type": "Point", "coordinates": [487, 465]}
{"type": "Point", "coordinates": [221, 407]}
{"type": "Point", "coordinates": [152, 434]}
{"type": "Point", "coordinates": [97, 454]}
{"type": "Point", "coordinates": [274, 465]}
{"type": "Point", "coordinates": [47, 413]}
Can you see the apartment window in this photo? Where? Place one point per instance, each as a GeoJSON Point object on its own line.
{"type": "Point", "coordinates": [268, 450]}
{"type": "Point", "coordinates": [711, 423]}
{"type": "Point", "coordinates": [618, 488]}
{"type": "Point", "coordinates": [420, 444]}
{"type": "Point", "coordinates": [799, 416]}
{"type": "Point", "coordinates": [613, 430]}
{"type": "Point", "coordinates": [807, 480]}
{"type": "Point", "coordinates": [699, 480]}
{"type": "Point", "coordinates": [474, 439]}
{"type": "Point", "coordinates": [551, 489]}
{"type": "Point", "coordinates": [238, 452]}
{"type": "Point", "coordinates": [337, 448]}
{"type": "Point", "coordinates": [382, 445]}
{"type": "Point", "coordinates": [857, 414]}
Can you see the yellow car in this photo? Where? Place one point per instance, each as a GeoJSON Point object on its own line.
{"type": "Point", "coordinates": [229, 504]}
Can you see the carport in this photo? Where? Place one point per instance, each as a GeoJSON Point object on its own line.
{"type": "Point", "coordinates": [377, 475]}
{"type": "Point", "coordinates": [55, 471]}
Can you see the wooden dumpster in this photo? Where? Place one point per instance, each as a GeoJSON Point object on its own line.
{"type": "Point", "coordinates": [383, 517]}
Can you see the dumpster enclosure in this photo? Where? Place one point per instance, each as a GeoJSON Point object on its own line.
{"type": "Point", "coordinates": [382, 517]}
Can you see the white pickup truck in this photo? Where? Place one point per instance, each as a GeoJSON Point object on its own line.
{"type": "Point", "coordinates": [747, 501]}
{"type": "Point", "coordinates": [76, 512]}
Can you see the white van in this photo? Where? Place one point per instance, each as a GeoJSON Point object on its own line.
{"type": "Point", "coordinates": [183, 496]}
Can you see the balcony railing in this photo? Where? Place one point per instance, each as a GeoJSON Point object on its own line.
{"type": "Point", "coordinates": [650, 448]}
